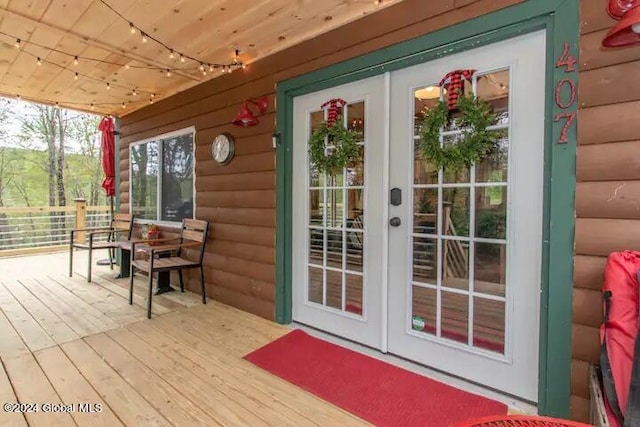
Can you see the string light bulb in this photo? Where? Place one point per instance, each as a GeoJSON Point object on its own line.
{"type": "Point", "coordinates": [134, 93]}
{"type": "Point", "coordinates": [201, 67]}
{"type": "Point", "coordinates": [124, 105]}
{"type": "Point", "coordinates": [108, 86]}
{"type": "Point", "coordinates": [151, 100]}
{"type": "Point", "coordinates": [144, 37]}
{"type": "Point", "coordinates": [75, 60]}
{"type": "Point", "coordinates": [153, 95]}
{"type": "Point", "coordinates": [75, 77]}
{"type": "Point", "coordinates": [17, 44]}
{"type": "Point", "coordinates": [39, 61]}
{"type": "Point", "coordinates": [93, 107]}
{"type": "Point", "coordinates": [235, 58]}
{"type": "Point", "coordinates": [181, 58]}
{"type": "Point", "coordinates": [171, 54]}
{"type": "Point", "coordinates": [18, 96]}
{"type": "Point", "coordinates": [132, 28]}
{"type": "Point", "coordinates": [210, 68]}
{"type": "Point", "coordinates": [168, 73]}
{"type": "Point", "coordinates": [126, 66]}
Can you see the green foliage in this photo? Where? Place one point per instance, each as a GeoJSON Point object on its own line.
{"type": "Point", "coordinates": [475, 143]}
{"type": "Point", "coordinates": [28, 181]}
{"type": "Point", "coordinates": [344, 153]}
{"type": "Point", "coordinates": [490, 223]}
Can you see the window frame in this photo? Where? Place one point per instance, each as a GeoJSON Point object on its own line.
{"type": "Point", "coordinates": [158, 138]}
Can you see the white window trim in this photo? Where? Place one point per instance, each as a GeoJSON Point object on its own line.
{"type": "Point", "coordinates": [167, 135]}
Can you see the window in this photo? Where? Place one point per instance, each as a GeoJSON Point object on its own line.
{"type": "Point", "coordinates": [162, 177]}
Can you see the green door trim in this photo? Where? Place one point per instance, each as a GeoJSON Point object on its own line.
{"type": "Point", "coordinates": [560, 19]}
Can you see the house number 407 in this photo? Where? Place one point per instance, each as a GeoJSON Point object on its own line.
{"type": "Point", "coordinates": [569, 62]}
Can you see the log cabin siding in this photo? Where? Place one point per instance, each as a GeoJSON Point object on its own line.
{"type": "Point", "coordinates": [239, 199]}
{"type": "Point", "coordinates": [608, 181]}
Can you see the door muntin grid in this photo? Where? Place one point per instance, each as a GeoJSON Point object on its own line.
{"type": "Point", "coordinates": [336, 224]}
{"type": "Point", "coordinates": [458, 292]}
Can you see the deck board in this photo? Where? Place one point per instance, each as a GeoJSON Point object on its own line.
{"type": "Point", "coordinates": [122, 398]}
{"type": "Point", "coordinates": [9, 419]}
{"type": "Point", "coordinates": [32, 387]}
{"type": "Point", "coordinates": [170, 401]}
{"type": "Point", "coordinates": [71, 386]}
{"type": "Point", "coordinates": [23, 322]}
{"type": "Point", "coordinates": [48, 319]}
{"type": "Point", "coordinates": [66, 340]}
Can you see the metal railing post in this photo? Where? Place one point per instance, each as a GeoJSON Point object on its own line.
{"type": "Point", "coordinates": [81, 218]}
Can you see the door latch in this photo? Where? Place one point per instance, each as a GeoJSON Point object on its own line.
{"type": "Point", "coordinates": [396, 197]}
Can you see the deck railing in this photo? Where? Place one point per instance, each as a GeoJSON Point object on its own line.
{"type": "Point", "coordinates": [33, 229]}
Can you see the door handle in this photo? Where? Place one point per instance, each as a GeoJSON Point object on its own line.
{"type": "Point", "coordinates": [395, 197]}
{"type": "Point", "coordinates": [395, 221]}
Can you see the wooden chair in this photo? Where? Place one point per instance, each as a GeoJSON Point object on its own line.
{"type": "Point", "coordinates": [171, 256]}
{"type": "Point", "coordinates": [120, 229]}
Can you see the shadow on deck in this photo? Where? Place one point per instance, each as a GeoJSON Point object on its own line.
{"type": "Point", "coordinates": [65, 341]}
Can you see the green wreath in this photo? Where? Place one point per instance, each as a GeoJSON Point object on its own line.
{"type": "Point", "coordinates": [343, 139]}
{"type": "Point", "coordinates": [475, 142]}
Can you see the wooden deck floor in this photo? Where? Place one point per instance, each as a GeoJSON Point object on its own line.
{"type": "Point", "coordinates": [66, 341]}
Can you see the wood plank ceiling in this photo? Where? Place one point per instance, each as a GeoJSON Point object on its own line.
{"type": "Point", "coordinates": [209, 31]}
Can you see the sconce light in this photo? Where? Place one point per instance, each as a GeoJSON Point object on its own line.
{"type": "Point", "coordinates": [245, 117]}
{"type": "Point", "coordinates": [627, 31]}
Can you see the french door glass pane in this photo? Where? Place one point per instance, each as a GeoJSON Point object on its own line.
{"type": "Point", "coordinates": [424, 309]}
{"type": "Point", "coordinates": [336, 215]}
{"type": "Point", "coordinates": [460, 224]}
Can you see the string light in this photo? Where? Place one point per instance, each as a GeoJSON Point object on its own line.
{"type": "Point", "coordinates": [124, 105]}
{"type": "Point", "coordinates": [108, 86]}
{"type": "Point", "coordinates": [75, 60]}
{"type": "Point", "coordinates": [75, 77]}
{"type": "Point", "coordinates": [201, 67]}
{"type": "Point", "coordinates": [126, 66]}
{"type": "Point", "coordinates": [134, 93]}
{"type": "Point", "coordinates": [93, 107]}
{"type": "Point", "coordinates": [210, 68]}
{"type": "Point", "coordinates": [168, 73]}
{"type": "Point", "coordinates": [172, 55]}
{"type": "Point", "coordinates": [153, 95]}
{"type": "Point", "coordinates": [39, 61]}
{"type": "Point", "coordinates": [145, 36]}
{"type": "Point", "coordinates": [17, 44]}
{"type": "Point", "coordinates": [18, 96]}
{"type": "Point", "coordinates": [151, 100]}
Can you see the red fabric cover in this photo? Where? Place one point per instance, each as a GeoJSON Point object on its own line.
{"type": "Point", "coordinates": [108, 155]}
{"type": "Point", "coordinates": [620, 277]}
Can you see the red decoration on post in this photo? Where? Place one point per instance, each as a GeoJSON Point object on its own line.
{"type": "Point", "coordinates": [452, 82]}
{"type": "Point", "coordinates": [333, 105]}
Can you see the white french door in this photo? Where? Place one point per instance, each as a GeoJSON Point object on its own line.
{"type": "Point", "coordinates": [337, 245]}
{"type": "Point", "coordinates": [464, 265]}
{"type": "Point", "coordinates": [450, 276]}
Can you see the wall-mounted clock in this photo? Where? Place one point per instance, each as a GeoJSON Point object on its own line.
{"type": "Point", "coordinates": [223, 148]}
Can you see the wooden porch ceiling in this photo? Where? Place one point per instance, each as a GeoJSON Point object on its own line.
{"type": "Point", "coordinates": [56, 31]}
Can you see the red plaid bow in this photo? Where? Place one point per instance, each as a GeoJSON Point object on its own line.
{"type": "Point", "coordinates": [333, 105]}
{"type": "Point", "coordinates": [453, 83]}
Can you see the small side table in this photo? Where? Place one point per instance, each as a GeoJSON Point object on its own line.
{"type": "Point", "coordinates": [164, 277]}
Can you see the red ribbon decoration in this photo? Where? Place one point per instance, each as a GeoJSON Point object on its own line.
{"type": "Point", "coordinates": [333, 105]}
{"type": "Point", "coordinates": [452, 82]}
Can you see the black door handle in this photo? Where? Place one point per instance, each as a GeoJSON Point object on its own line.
{"type": "Point", "coordinates": [395, 221]}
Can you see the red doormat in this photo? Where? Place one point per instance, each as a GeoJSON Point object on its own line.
{"type": "Point", "coordinates": [376, 391]}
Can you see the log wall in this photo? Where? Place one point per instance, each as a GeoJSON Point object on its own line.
{"type": "Point", "coordinates": [239, 199]}
{"type": "Point", "coordinates": [608, 181]}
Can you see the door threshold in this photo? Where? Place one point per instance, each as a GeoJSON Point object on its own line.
{"type": "Point", "coordinates": [515, 405]}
